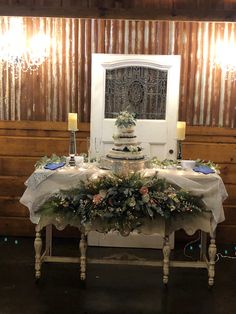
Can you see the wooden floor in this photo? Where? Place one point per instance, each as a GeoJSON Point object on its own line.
{"type": "Point", "coordinates": [109, 289]}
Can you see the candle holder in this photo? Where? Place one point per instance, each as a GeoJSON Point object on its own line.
{"type": "Point", "coordinates": [179, 154]}
{"type": "Point", "coordinates": [89, 149]}
{"type": "Point", "coordinates": [72, 149]}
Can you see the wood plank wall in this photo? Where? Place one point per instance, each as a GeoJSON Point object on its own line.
{"type": "Point", "coordinates": [218, 145]}
{"type": "Point", "coordinates": [24, 142]}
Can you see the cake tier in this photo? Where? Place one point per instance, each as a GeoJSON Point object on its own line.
{"type": "Point", "coordinates": [127, 148]}
{"type": "Point", "coordinates": [128, 139]}
{"type": "Point", "coordinates": [123, 134]}
{"type": "Point", "coordinates": [122, 155]}
{"type": "Point", "coordinates": [124, 131]}
{"type": "Point", "coordinates": [126, 142]}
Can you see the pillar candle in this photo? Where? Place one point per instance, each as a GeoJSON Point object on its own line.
{"type": "Point", "coordinates": [72, 122]}
{"type": "Point", "coordinates": [180, 131]}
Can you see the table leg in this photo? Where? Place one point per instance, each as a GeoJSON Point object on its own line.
{"type": "Point", "coordinates": [203, 248]}
{"type": "Point", "coordinates": [49, 240]}
{"type": "Point", "coordinates": [83, 248]}
{"type": "Point", "coordinates": [38, 249]}
{"type": "Point", "coordinates": [166, 260]}
{"type": "Point", "coordinates": [211, 266]}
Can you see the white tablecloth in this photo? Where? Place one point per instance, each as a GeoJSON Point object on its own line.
{"type": "Point", "coordinates": [42, 184]}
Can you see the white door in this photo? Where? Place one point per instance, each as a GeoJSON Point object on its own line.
{"type": "Point", "coordinates": [149, 86]}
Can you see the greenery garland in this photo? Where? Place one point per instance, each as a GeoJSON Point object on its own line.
{"type": "Point", "coordinates": [163, 163]}
{"type": "Point", "coordinates": [209, 163]}
{"type": "Point", "coordinates": [47, 160]}
{"type": "Point", "coordinates": [122, 202]}
{"type": "Point", "coordinates": [173, 163]}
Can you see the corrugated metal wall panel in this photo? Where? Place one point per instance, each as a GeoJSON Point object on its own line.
{"type": "Point", "coordinates": [63, 82]}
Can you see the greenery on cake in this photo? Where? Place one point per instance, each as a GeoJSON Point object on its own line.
{"type": "Point", "coordinates": [122, 202]}
{"type": "Point", "coordinates": [125, 119]}
{"type": "Point", "coordinates": [132, 149]}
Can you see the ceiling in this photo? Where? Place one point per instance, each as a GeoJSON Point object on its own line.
{"type": "Point", "coordinates": [193, 10]}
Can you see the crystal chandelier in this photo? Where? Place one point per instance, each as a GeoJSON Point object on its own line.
{"type": "Point", "coordinates": [225, 58]}
{"type": "Point", "coordinates": [20, 53]}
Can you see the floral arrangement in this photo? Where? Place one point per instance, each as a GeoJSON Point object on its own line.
{"type": "Point", "coordinates": [133, 149]}
{"type": "Point", "coordinates": [125, 119]}
{"type": "Point", "coordinates": [47, 160]}
{"type": "Point", "coordinates": [122, 202]}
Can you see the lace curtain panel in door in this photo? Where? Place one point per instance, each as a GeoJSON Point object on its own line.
{"type": "Point", "coordinates": [140, 89]}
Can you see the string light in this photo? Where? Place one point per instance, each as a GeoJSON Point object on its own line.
{"type": "Point", "coordinates": [218, 255]}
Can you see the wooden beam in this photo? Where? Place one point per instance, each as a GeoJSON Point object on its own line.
{"type": "Point", "coordinates": [139, 13]}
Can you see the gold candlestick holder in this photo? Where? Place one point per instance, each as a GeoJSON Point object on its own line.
{"type": "Point", "coordinates": [72, 148]}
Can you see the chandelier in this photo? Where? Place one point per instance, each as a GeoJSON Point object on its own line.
{"type": "Point", "coordinates": [20, 53]}
{"type": "Point", "coordinates": [225, 53]}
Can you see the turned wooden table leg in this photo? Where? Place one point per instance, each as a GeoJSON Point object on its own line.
{"type": "Point", "coordinates": [83, 248]}
{"type": "Point", "coordinates": [38, 249]}
{"type": "Point", "coordinates": [211, 265]}
{"type": "Point", "coordinates": [48, 240]}
{"type": "Point", "coordinates": [166, 259]}
{"type": "Point", "coordinates": [203, 248]}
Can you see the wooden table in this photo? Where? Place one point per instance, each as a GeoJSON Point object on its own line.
{"type": "Point", "coordinates": [210, 186]}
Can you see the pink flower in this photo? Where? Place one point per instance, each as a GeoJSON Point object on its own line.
{"type": "Point", "coordinates": [97, 199]}
{"type": "Point", "coordinates": [143, 190]}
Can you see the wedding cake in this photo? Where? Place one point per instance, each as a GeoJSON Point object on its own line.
{"type": "Point", "coordinates": [126, 146]}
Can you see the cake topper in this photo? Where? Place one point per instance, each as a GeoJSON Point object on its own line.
{"type": "Point", "coordinates": [125, 119]}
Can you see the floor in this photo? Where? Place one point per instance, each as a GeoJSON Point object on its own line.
{"type": "Point", "coordinates": [109, 289]}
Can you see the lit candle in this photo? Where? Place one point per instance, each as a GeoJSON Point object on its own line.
{"type": "Point", "coordinates": [180, 131]}
{"type": "Point", "coordinates": [72, 122]}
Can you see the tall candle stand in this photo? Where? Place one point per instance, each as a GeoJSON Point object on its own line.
{"type": "Point", "coordinates": [180, 135]}
{"type": "Point", "coordinates": [179, 155]}
{"type": "Point", "coordinates": [72, 149]}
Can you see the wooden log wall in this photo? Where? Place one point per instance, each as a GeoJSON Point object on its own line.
{"type": "Point", "coordinates": [24, 142]}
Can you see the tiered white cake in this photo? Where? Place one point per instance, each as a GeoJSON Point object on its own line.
{"type": "Point", "coordinates": [126, 146]}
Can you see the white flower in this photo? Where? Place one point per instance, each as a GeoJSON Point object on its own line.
{"type": "Point", "coordinates": [125, 119]}
{"type": "Point", "coordinates": [133, 149]}
{"type": "Point", "coordinates": [132, 202]}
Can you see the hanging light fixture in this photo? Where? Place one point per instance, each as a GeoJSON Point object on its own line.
{"type": "Point", "coordinates": [225, 52]}
{"type": "Point", "coordinates": [21, 53]}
